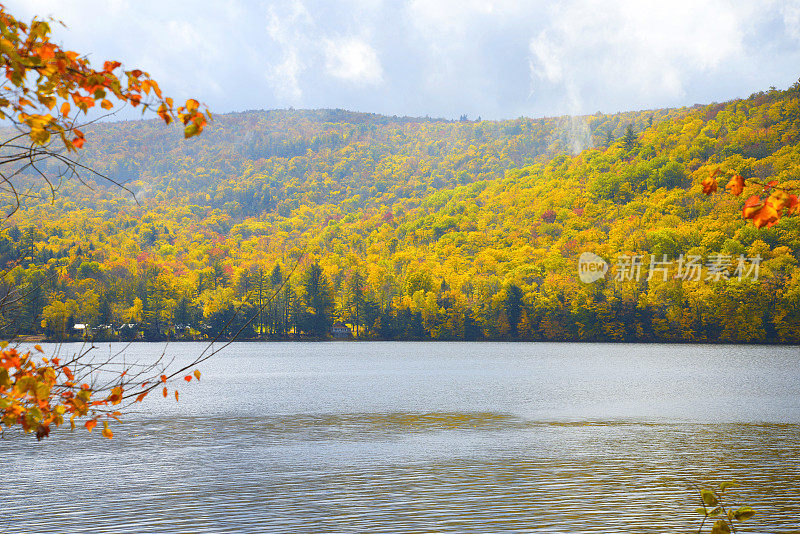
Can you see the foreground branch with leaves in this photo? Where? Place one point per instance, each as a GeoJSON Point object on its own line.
{"type": "Point", "coordinates": [715, 505]}
{"type": "Point", "coordinates": [769, 202]}
{"type": "Point", "coordinates": [37, 393]}
{"type": "Point", "coordinates": [46, 89]}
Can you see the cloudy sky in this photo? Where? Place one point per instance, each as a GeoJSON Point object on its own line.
{"type": "Point", "coordinates": [491, 58]}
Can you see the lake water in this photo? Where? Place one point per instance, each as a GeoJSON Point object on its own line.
{"type": "Point", "coordinates": [426, 437]}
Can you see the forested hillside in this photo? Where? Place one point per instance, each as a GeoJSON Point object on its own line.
{"type": "Point", "coordinates": [409, 228]}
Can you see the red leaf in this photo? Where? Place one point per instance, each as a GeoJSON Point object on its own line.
{"type": "Point", "coordinates": [793, 206]}
{"type": "Point", "coordinates": [42, 431]}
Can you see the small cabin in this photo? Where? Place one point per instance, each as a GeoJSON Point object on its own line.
{"type": "Point", "coordinates": [340, 330]}
{"type": "Point", "coordinates": [82, 330]}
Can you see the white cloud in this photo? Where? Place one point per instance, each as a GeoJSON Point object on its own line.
{"type": "Point", "coordinates": [791, 18]}
{"type": "Point", "coordinates": [288, 30]}
{"type": "Point", "coordinates": [444, 19]}
{"type": "Point", "coordinates": [648, 50]}
{"type": "Point", "coordinates": [353, 60]}
{"type": "Point", "coordinates": [181, 35]}
{"type": "Point", "coordinates": [442, 57]}
{"type": "Point", "coordinates": [546, 60]}
{"type": "Point", "coordinates": [284, 77]}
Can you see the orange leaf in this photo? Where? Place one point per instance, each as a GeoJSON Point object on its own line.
{"type": "Point", "coordinates": [767, 216]}
{"type": "Point", "coordinates": [751, 206]}
{"type": "Point", "coordinates": [709, 185]}
{"type": "Point", "coordinates": [164, 392]}
{"type": "Point", "coordinates": [47, 51]}
{"type": "Point", "coordinates": [762, 213]}
{"type": "Point", "coordinates": [176, 395]}
{"type": "Point", "coordinates": [163, 112]}
{"type": "Point", "coordinates": [78, 142]}
{"type": "Point", "coordinates": [188, 378]}
{"type": "Point", "coordinates": [106, 432]}
{"type": "Point", "coordinates": [106, 104]}
{"type": "Point", "coordinates": [156, 88]}
{"type": "Point", "coordinates": [39, 348]}
{"type": "Point", "coordinates": [192, 105]}
{"type": "Point", "coordinates": [65, 109]}
{"type": "Point", "coordinates": [141, 396]}
{"type": "Point", "coordinates": [90, 424]}
{"type": "Point", "coordinates": [164, 378]}
{"type": "Point", "coordinates": [736, 185]}
{"type": "Point", "coordinates": [197, 374]}
{"type": "Point", "coordinates": [779, 199]}
{"type": "Point", "coordinates": [116, 395]}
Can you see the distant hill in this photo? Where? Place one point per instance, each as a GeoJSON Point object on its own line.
{"type": "Point", "coordinates": [254, 152]}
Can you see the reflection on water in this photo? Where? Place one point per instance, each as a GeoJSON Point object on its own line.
{"type": "Point", "coordinates": [344, 470]}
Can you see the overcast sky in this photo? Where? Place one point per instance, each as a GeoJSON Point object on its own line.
{"type": "Point", "coordinates": [491, 58]}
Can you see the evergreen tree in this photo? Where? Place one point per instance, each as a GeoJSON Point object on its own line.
{"type": "Point", "coordinates": [319, 300]}
{"type": "Point", "coordinates": [629, 140]}
{"type": "Point", "coordinates": [105, 314]}
{"type": "Point", "coordinates": [513, 307]}
{"type": "Point", "coordinates": [355, 301]}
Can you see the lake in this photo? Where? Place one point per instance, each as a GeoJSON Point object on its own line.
{"type": "Point", "coordinates": [426, 437]}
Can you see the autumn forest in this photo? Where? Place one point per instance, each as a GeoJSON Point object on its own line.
{"type": "Point", "coordinates": [279, 224]}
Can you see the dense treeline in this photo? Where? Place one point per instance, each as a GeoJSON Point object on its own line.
{"type": "Point", "coordinates": [414, 229]}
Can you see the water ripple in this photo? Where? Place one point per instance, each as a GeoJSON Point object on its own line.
{"type": "Point", "coordinates": [395, 472]}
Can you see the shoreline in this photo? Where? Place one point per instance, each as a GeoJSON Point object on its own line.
{"type": "Point", "coordinates": [42, 339]}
